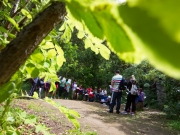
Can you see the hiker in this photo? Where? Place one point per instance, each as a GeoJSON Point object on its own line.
{"type": "Point", "coordinates": [96, 93]}
{"type": "Point", "coordinates": [62, 86]}
{"type": "Point", "coordinates": [47, 86]}
{"type": "Point", "coordinates": [117, 79]}
{"type": "Point", "coordinates": [132, 95]}
{"type": "Point", "coordinates": [34, 86]}
{"type": "Point", "coordinates": [140, 99]}
{"type": "Point", "coordinates": [74, 87]}
{"type": "Point", "coordinates": [57, 87]}
{"type": "Point", "coordinates": [128, 98]}
{"type": "Point", "coordinates": [90, 94]}
{"type": "Point", "coordinates": [68, 85]}
{"type": "Point", "coordinates": [41, 87]}
{"type": "Point", "coordinates": [80, 92]}
{"type": "Point", "coordinates": [85, 94]}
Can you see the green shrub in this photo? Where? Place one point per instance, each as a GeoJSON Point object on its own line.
{"type": "Point", "coordinates": [172, 110]}
{"type": "Point", "coordinates": [174, 124]}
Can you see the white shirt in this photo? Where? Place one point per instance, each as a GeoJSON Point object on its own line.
{"type": "Point", "coordinates": [74, 87]}
{"type": "Point", "coordinates": [116, 79]}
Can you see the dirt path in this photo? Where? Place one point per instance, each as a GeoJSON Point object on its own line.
{"type": "Point", "coordinates": [94, 117]}
{"type": "Point", "coordinates": [90, 120]}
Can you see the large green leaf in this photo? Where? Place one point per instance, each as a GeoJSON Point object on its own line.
{"type": "Point", "coordinates": [13, 22]}
{"type": "Point", "coordinates": [59, 61]}
{"type": "Point", "coordinates": [47, 45]}
{"type": "Point", "coordinates": [66, 35]}
{"type": "Point", "coordinates": [26, 13]}
{"type": "Point", "coordinates": [87, 43]}
{"type": "Point", "coordinates": [3, 29]}
{"type": "Point", "coordinates": [80, 34]}
{"type": "Point", "coordinates": [85, 16]}
{"type": "Point", "coordinates": [166, 12]}
{"type": "Point", "coordinates": [37, 56]}
{"type": "Point", "coordinates": [51, 53]}
{"type": "Point", "coordinates": [153, 33]}
{"type": "Point", "coordinates": [74, 113]}
{"type": "Point", "coordinates": [60, 55]}
{"type": "Point", "coordinates": [104, 51]}
{"type": "Point", "coordinates": [32, 70]}
{"type": "Point", "coordinates": [53, 86]}
{"type": "Point", "coordinates": [74, 121]}
{"type": "Point", "coordinates": [115, 34]}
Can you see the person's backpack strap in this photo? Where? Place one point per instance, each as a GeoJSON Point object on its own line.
{"type": "Point", "coordinates": [121, 84]}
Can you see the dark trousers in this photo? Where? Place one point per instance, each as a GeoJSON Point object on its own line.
{"type": "Point", "coordinates": [97, 96]}
{"type": "Point", "coordinates": [66, 94]}
{"type": "Point", "coordinates": [115, 99]}
{"type": "Point", "coordinates": [61, 89]}
{"type": "Point", "coordinates": [128, 103]}
{"type": "Point", "coordinates": [33, 88]}
{"type": "Point", "coordinates": [131, 100]}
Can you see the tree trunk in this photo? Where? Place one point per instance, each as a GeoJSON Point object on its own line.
{"type": "Point", "coordinates": [27, 40]}
{"type": "Point", "coordinates": [160, 92]}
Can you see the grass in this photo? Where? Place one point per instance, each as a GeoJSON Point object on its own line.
{"type": "Point", "coordinates": [174, 124]}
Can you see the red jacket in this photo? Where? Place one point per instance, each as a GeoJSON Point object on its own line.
{"type": "Point", "coordinates": [90, 92]}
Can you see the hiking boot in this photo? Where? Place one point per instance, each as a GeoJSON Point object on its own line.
{"type": "Point", "coordinates": [132, 113]}
{"type": "Point", "coordinates": [117, 112]}
{"type": "Point", "coordinates": [110, 111]}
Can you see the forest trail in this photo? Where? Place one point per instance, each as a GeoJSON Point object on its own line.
{"type": "Point", "coordinates": [94, 117]}
{"type": "Point", "coordinates": [90, 119]}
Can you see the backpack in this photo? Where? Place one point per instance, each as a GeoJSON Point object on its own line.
{"type": "Point", "coordinates": [121, 84]}
{"type": "Point", "coordinates": [134, 90]}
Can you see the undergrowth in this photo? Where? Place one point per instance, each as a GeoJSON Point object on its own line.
{"type": "Point", "coordinates": [18, 122]}
{"type": "Point", "coordinates": [15, 121]}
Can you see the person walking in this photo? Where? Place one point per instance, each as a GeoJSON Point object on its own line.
{"type": "Point", "coordinates": [74, 87]}
{"type": "Point", "coordinates": [128, 99]}
{"type": "Point", "coordinates": [62, 84]}
{"type": "Point", "coordinates": [117, 80]}
{"type": "Point", "coordinates": [68, 85]}
{"type": "Point", "coordinates": [41, 87]}
{"type": "Point", "coordinates": [34, 86]}
{"type": "Point", "coordinates": [47, 86]}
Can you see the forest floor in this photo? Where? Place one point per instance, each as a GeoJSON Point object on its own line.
{"type": "Point", "coordinates": [95, 118]}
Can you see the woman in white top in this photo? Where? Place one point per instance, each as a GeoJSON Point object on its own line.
{"type": "Point", "coordinates": [131, 97]}
{"type": "Point", "coordinates": [74, 87]}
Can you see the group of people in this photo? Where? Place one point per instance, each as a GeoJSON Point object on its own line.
{"type": "Point", "coordinates": [135, 94]}
{"type": "Point", "coordinates": [63, 87]}
{"type": "Point", "coordinates": [118, 84]}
